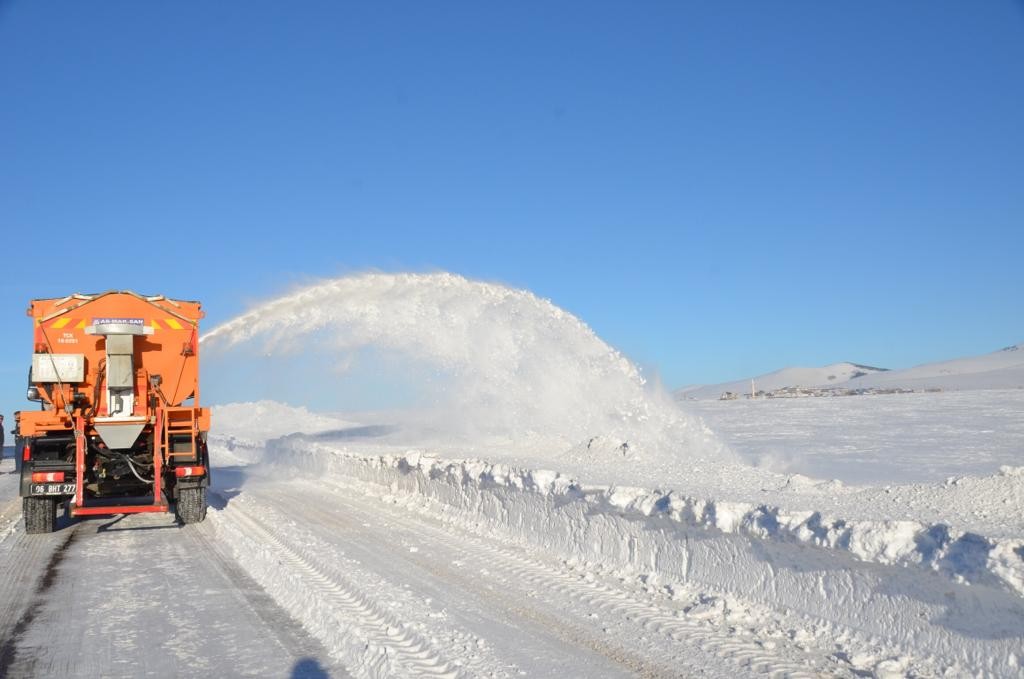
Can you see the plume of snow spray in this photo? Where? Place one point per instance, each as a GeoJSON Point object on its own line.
{"type": "Point", "coordinates": [518, 367]}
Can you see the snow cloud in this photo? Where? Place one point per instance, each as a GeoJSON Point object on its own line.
{"type": "Point", "coordinates": [493, 363]}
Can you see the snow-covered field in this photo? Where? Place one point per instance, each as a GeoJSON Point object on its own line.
{"type": "Point", "coordinates": [884, 438]}
{"type": "Point", "coordinates": [544, 512]}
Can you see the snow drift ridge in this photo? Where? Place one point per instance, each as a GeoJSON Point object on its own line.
{"type": "Point", "coordinates": [954, 598]}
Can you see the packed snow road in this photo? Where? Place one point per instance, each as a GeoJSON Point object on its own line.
{"type": "Point", "coordinates": [138, 596]}
{"type": "Point", "coordinates": [288, 579]}
{"type": "Point", "coordinates": [424, 599]}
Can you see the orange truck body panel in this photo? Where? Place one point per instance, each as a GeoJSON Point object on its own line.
{"type": "Point", "coordinates": [171, 352]}
{"type": "Point", "coordinates": [120, 429]}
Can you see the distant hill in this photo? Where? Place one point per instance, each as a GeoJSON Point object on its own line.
{"type": "Point", "coordinates": [1003, 369]}
{"type": "Point", "coordinates": [834, 374]}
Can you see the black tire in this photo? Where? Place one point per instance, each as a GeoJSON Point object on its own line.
{"type": "Point", "coordinates": [191, 505]}
{"type": "Point", "coordinates": [40, 514]}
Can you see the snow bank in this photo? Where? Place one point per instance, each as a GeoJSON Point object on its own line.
{"type": "Point", "coordinates": [955, 595]}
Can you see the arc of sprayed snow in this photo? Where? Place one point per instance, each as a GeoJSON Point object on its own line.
{"type": "Point", "coordinates": [328, 287]}
{"type": "Point", "coordinates": [254, 320]}
{"type": "Point", "coordinates": [249, 316]}
{"type": "Point", "coordinates": [312, 291]}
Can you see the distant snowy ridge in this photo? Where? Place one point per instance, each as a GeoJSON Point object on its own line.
{"type": "Point", "coordinates": [1002, 369]}
{"type": "Point", "coordinates": [829, 375]}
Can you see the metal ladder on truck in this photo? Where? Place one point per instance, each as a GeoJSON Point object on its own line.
{"type": "Point", "coordinates": [180, 422]}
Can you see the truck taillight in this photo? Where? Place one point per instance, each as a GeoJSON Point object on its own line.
{"type": "Point", "coordinates": [26, 454]}
{"type": "Point", "coordinates": [47, 477]}
{"type": "Point", "coordinates": [198, 470]}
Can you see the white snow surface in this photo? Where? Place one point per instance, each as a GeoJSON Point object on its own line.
{"type": "Point", "coordinates": [879, 438]}
{"type": "Point", "coordinates": [880, 590]}
{"type": "Point", "coordinates": [549, 440]}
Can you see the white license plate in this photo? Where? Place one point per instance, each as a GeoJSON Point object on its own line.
{"type": "Point", "coordinates": [53, 489]}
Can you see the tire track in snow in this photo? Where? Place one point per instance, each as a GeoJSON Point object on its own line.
{"type": "Point", "coordinates": [20, 557]}
{"type": "Point", "coordinates": [621, 605]}
{"type": "Point", "coordinates": [677, 635]}
{"type": "Point", "coordinates": [30, 597]}
{"type": "Point", "coordinates": [508, 606]}
{"type": "Point", "coordinates": [388, 646]}
{"type": "Point", "coordinates": [299, 645]}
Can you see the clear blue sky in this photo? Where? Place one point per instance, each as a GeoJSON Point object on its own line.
{"type": "Point", "coordinates": [718, 188]}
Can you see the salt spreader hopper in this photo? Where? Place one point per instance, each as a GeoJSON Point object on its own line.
{"type": "Point", "coordinates": [120, 429]}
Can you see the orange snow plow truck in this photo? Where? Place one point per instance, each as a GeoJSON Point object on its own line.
{"type": "Point", "coordinates": [119, 429]}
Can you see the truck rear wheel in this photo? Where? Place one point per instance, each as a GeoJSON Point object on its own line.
{"type": "Point", "coordinates": [40, 514]}
{"type": "Point", "coordinates": [191, 507]}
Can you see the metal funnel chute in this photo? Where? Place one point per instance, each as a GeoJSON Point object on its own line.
{"type": "Point", "coordinates": [120, 428]}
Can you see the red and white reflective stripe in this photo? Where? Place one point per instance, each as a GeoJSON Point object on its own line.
{"type": "Point", "coordinates": [26, 454]}
{"type": "Point", "coordinates": [47, 477]}
{"type": "Point", "coordinates": [189, 471]}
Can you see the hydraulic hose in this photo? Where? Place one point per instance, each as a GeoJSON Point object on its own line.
{"type": "Point", "coordinates": [132, 467]}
